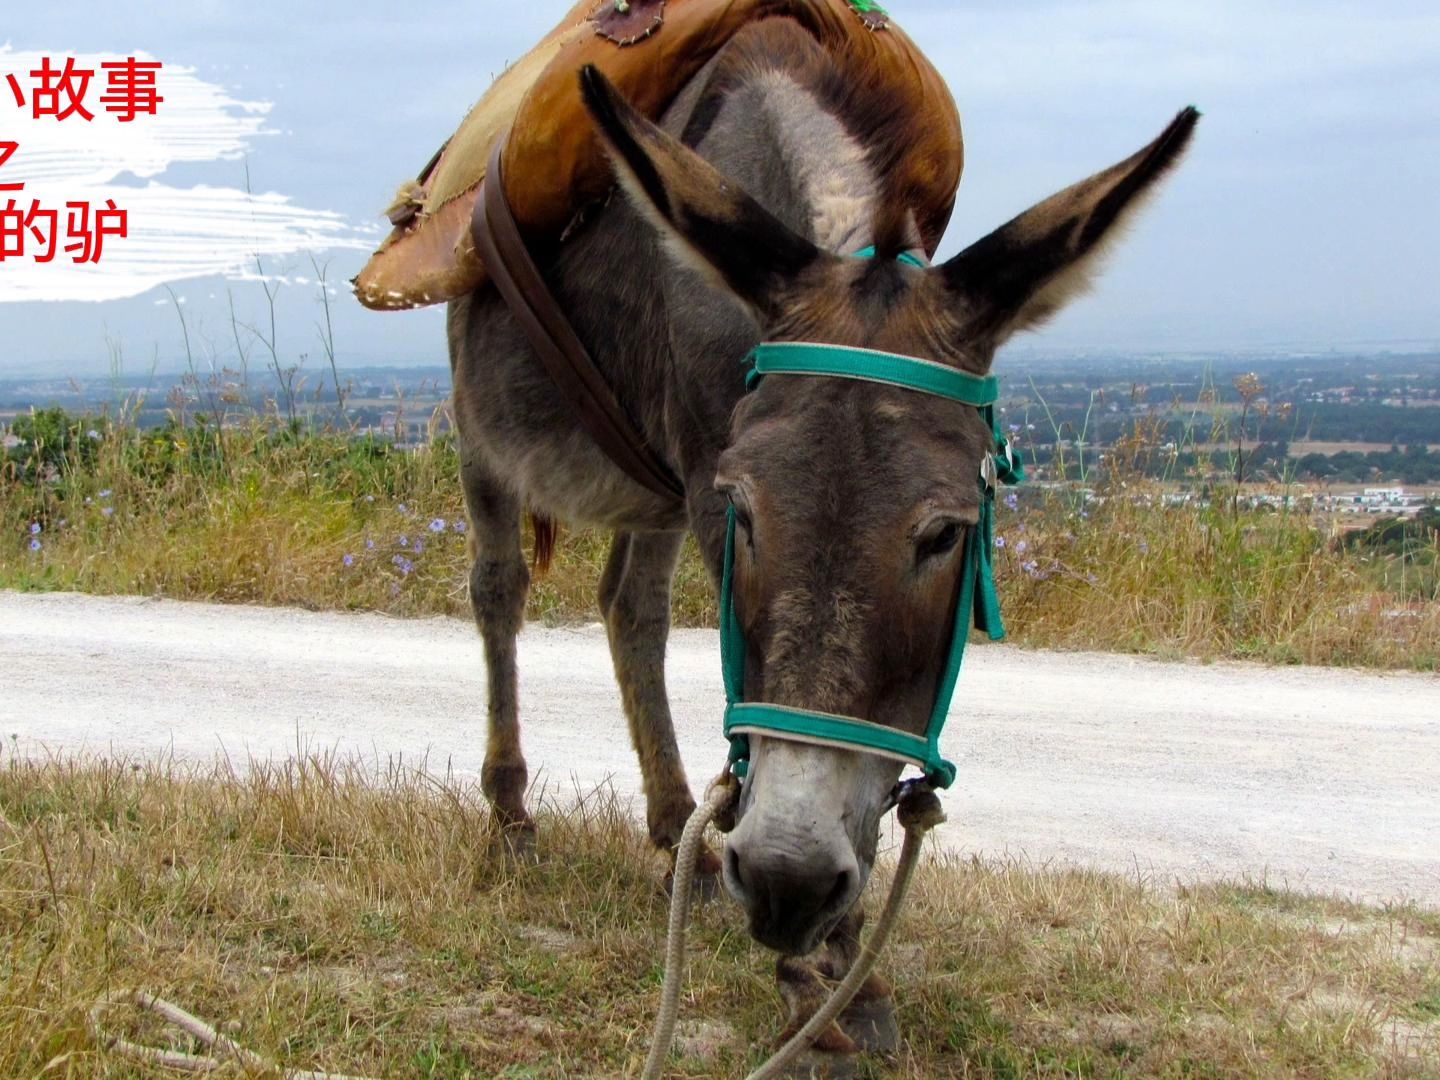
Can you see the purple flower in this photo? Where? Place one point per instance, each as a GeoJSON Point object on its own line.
{"type": "Point", "coordinates": [1022, 547]}
{"type": "Point", "coordinates": [1012, 501]}
{"type": "Point", "coordinates": [438, 525]}
{"type": "Point", "coordinates": [107, 510]}
{"type": "Point", "coordinates": [459, 526]}
{"type": "Point", "coordinates": [999, 541]}
{"type": "Point", "coordinates": [34, 528]}
{"type": "Point", "coordinates": [1014, 428]}
{"type": "Point", "coordinates": [1032, 568]}
{"type": "Point", "coordinates": [35, 545]}
{"type": "Point", "coordinates": [369, 545]}
{"type": "Point", "coordinates": [369, 498]}
{"type": "Point", "coordinates": [92, 434]}
{"type": "Point", "coordinates": [403, 564]}
{"type": "Point", "coordinates": [404, 541]}
{"type": "Point", "coordinates": [105, 494]}
{"type": "Point", "coordinates": [418, 547]}
{"type": "Point", "coordinates": [403, 509]}
{"type": "Point", "coordinates": [348, 560]}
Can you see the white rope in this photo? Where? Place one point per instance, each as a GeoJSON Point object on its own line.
{"type": "Point", "coordinates": [919, 813]}
{"type": "Point", "coordinates": [721, 794]}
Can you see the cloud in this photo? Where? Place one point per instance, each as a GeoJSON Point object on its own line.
{"type": "Point", "coordinates": [174, 232]}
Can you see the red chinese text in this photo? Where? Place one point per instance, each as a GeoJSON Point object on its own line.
{"type": "Point", "coordinates": [35, 231]}
{"type": "Point", "coordinates": [59, 91]}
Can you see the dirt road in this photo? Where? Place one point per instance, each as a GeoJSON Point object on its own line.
{"type": "Point", "coordinates": [1322, 780]}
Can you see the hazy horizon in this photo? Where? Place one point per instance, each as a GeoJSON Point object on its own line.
{"type": "Point", "coordinates": [1303, 220]}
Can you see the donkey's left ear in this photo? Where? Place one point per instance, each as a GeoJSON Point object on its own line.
{"type": "Point", "coordinates": [705, 219]}
{"type": "Point", "coordinates": [1028, 269]}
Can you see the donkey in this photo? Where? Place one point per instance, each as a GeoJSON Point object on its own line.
{"type": "Point", "coordinates": [741, 215]}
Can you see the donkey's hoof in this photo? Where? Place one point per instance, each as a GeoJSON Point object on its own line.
{"type": "Point", "coordinates": [516, 842]}
{"type": "Point", "coordinates": [872, 1024]}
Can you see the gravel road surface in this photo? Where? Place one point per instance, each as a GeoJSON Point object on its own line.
{"type": "Point", "coordinates": [1316, 779]}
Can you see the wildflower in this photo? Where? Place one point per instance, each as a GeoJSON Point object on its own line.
{"type": "Point", "coordinates": [403, 564]}
{"type": "Point", "coordinates": [348, 560]}
{"type": "Point", "coordinates": [1014, 428]}
{"type": "Point", "coordinates": [88, 500]}
{"type": "Point", "coordinates": [34, 528]}
{"type": "Point", "coordinates": [438, 525]}
{"type": "Point", "coordinates": [370, 498]}
{"type": "Point", "coordinates": [107, 510]}
{"type": "Point", "coordinates": [459, 526]}
{"type": "Point", "coordinates": [92, 434]}
{"type": "Point", "coordinates": [1022, 547]}
{"type": "Point", "coordinates": [106, 493]}
{"type": "Point", "coordinates": [1032, 568]}
{"type": "Point", "coordinates": [404, 541]}
{"type": "Point", "coordinates": [403, 509]}
{"type": "Point", "coordinates": [999, 541]}
{"type": "Point", "coordinates": [1012, 501]}
{"type": "Point", "coordinates": [35, 545]}
{"type": "Point", "coordinates": [1144, 547]}
{"type": "Point", "coordinates": [418, 547]}
{"type": "Point", "coordinates": [369, 545]}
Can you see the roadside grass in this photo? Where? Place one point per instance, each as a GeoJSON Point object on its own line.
{"type": "Point", "coordinates": [334, 915]}
{"type": "Point", "coordinates": [261, 512]}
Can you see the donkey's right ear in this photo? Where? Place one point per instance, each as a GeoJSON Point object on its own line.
{"type": "Point", "coordinates": [706, 221]}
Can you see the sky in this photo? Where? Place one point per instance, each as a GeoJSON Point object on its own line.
{"type": "Point", "coordinates": [1306, 217]}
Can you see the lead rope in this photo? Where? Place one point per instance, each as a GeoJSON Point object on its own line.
{"type": "Point", "coordinates": [919, 812]}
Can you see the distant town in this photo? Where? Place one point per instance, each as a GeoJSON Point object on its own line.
{"type": "Point", "coordinates": [1346, 435]}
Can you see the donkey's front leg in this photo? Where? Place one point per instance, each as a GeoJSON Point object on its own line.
{"type": "Point", "coordinates": [868, 1022]}
{"type": "Point", "coordinates": [499, 584]}
{"type": "Point", "coordinates": [635, 602]}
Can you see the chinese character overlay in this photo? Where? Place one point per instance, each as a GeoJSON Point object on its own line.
{"type": "Point", "coordinates": [57, 90]}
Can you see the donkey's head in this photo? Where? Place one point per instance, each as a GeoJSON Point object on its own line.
{"type": "Point", "coordinates": [853, 500]}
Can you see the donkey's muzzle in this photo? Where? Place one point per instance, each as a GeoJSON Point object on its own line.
{"type": "Point", "coordinates": [793, 901]}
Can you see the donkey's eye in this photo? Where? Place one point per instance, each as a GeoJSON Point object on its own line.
{"type": "Point", "coordinates": [938, 541]}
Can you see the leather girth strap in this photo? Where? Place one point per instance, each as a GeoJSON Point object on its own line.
{"type": "Point", "coordinates": [580, 382]}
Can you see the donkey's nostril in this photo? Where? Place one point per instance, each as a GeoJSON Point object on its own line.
{"type": "Point", "coordinates": [735, 874]}
{"type": "Point", "coordinates": [840, 893]}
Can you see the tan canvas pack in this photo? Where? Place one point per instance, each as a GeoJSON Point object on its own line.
{"type": "Point", "coordinates": [650, 49]}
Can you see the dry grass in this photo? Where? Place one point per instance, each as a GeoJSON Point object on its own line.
{"type": "Point", "coordinates": [261, 515]}
{"type": "Point", "coordinates": [358, 922]}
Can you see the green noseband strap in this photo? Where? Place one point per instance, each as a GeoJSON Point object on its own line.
{"type": "Point", "coordinates": [977, 604]}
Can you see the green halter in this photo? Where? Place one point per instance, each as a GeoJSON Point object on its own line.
{"type": "Point", "coordinates": [978, 602]}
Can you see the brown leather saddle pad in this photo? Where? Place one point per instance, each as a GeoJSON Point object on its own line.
{"type": "Point", "coordinates": [650, 49]}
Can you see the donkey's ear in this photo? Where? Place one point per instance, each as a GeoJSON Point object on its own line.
{"type": "Point", "coordinates": [706, 221]}
{"type": "Point", "coordinates": [1025, 271]}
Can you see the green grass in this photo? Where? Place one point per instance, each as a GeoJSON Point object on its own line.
{"type": "Point", "coordinates": [263, 513]}
{"type": "Point", "coordinates": [330, 917]}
